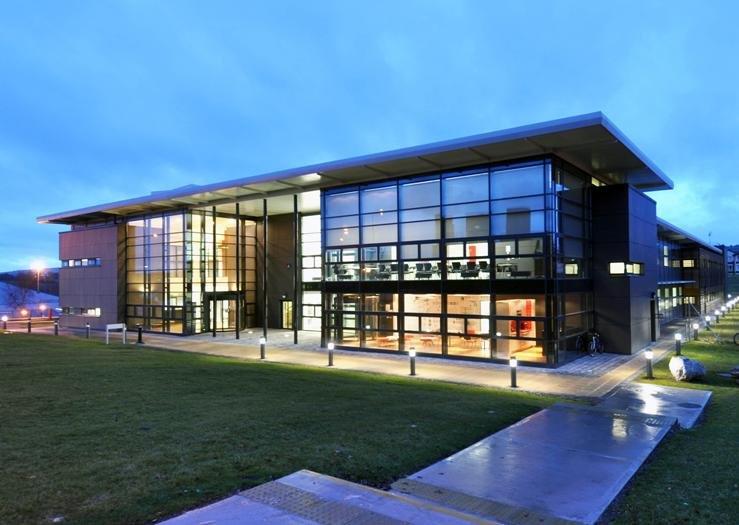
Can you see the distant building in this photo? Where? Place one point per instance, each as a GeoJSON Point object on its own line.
{"type": "Point", "coordinates": [510, 243]}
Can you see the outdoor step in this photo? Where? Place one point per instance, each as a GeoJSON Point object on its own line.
{"type": "Point", "coordinates": [307, 497]}
{"type": "Point", "coordinates": [563, 464]}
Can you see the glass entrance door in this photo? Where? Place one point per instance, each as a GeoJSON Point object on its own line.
{"type": "Point", "coordinates": [223, 316]}
{"type": "Point", "coordinates": [286, 316]}
{"type": "Point", "coordinates": [220, 312]}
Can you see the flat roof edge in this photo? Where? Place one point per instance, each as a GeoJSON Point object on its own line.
{"type": "Point", "coordinates": [669, 226]}
{"type": "Point", "coordinates": [510, 134]}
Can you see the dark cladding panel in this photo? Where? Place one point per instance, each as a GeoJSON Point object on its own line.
{"type": "Point", "coordinates": [280, 250]}
{"type": "Point", "coordinates": [624, 230]}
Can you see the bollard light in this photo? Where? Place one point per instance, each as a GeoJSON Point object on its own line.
{"type": "Point", "coordinates": [708, 322]}
{"type": "Point", "coordinates": [412, 359]}
{"type": "Point", "coordinates": [87, 330]}
{"type": "Point", "coordinates": [42, 309]}
{"type": "Point", "coordinates": [678, 343]}
{"type": "Point", "coordinates": [262, 347]}
{"type": "Point", "coordinates": [716, 315]}
{"type": "Point", "coordinates": [330, 347]}
{"type": "Point", "coordinates": [24, 312]}
{"type": "Point", "coordinates": [649, 356]}
{"type": "Point", "coordinates": [696, 326]}
{"type": "Point", "coordinates": [139, 334]}
{"type": "Point", "coordinates": [723, 311]}
{"type": "Point", "coordinates": [56, 327]}
{"type": "Point", "coordinates": [5, 322]}
{"type": "Point", "coordinates": [513, 363]}
{"type": "Point", "coordinates": [28, 325]}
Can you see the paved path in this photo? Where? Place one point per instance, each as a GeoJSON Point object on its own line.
{"type": "Point", "coordinates": [586, 377]}
{"type": "Point", "coordinates": [563, 465]}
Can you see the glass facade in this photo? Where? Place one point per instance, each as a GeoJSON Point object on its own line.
{"type": "Point", "coordinates": [181, 272]}
{"type": "Point", "coordinates": [432, 262]}
{"type": "Point", "coordinates": [482, 263]}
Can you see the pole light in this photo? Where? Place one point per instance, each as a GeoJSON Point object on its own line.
{"type": "Point", "coordinates": [5, 322]}
{"type": "Point", "coordinates": [331, 347]}
{"type": "Point", "coordinates": [649, 356]}
{"type": "Point", "coordinates": [412, 359]}
{"type": "Point", "coordinates": [696, 326]}
{"type": "Point", "coordinates": [678, 343]}
{"type": "Point", "coordinates": [513, 363]}
{"type": "Point", "coordinates": [38, 267]}
{"type": "Point", "coordinates": [262, 347]}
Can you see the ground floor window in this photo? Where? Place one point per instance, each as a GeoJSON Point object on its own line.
{"type": "Point", "coordinates": [476, 326]}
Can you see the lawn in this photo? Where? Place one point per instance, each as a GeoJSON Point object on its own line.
{"type": "Point", "coordinates": [120, 434]}
{"type": "Point", "coordinates": [692, 477]}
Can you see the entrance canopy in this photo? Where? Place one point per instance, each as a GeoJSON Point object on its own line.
{"type": "Point", "coordinates": [590, 142]}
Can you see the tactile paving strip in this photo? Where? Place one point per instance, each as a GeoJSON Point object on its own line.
{"type": "Point", "coordinates": [312, 507]}
{"type": "Point", "coordinates": [474, 505]}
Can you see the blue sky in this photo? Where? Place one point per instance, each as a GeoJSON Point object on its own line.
{"type": "Point", "coordinates": [101, 101]}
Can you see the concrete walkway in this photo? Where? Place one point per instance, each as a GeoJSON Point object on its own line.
{"type": "Point", "coordinates": [587, 377]}
{"type": "Point", "coordinates": [563, 465]}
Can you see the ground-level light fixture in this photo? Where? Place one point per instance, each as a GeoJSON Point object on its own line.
{"type": "Point", "coordinates": [5, 322]}
{"type": "Point", "coordinates": [708, 322]}
{"type": "Point", "coordinates": [331, 347]}
{"type": "Point", "coordinates": [696, 326]}
{"type": "Point", "coordinates": [716, 314]}
{"type": "Point", "coordinates": [87, 330]}
{"type": "Point", "coordinates": [649, 355]}
{"type": "Point", "coordinates": [42, 307]}
{"type": "Point", "coordinates": [262, 347]}
{"type": "Point", "coordinates": [412, 360]}
{"type": "Point", "coordinates": [513, 363]}
{"type": "Point", "coordinates": [24, 312]}
{"type": "Point", "coordinates": [678, 343]}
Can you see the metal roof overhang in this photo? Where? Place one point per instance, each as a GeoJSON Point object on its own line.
{"type": "Point", "coordinates": [673, 233]}
{"type": "Point", "coordinates": [590, 142]}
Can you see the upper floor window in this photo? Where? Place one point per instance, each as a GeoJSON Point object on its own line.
{"type": "Point", "coordinates": [626, 268]}
{"type": "Point", "coordinates": [90, 261]}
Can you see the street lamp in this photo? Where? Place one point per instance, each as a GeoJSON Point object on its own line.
{"type": "Point", "coordinates": [649, 356]}
{"type": "Point", "coordinates": [38, 267]}
{"type": "Point", "coordinates": [678, 343]}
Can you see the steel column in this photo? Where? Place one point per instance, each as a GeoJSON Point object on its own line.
{"type": "Point", "coordinates": [238, 272]}
{"type": "Point", "coordinates": [296, 275]}
{"type": "Point", "coordinates": [264, 267]}
{"type": "Point", "coordinates": [214, 302]}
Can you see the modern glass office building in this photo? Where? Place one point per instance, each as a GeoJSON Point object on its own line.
{"type": "Point", "coordinates": [507, 243]}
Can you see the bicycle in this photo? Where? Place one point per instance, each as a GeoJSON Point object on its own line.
{"type": "Point", "coordinates": [590, 343]}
